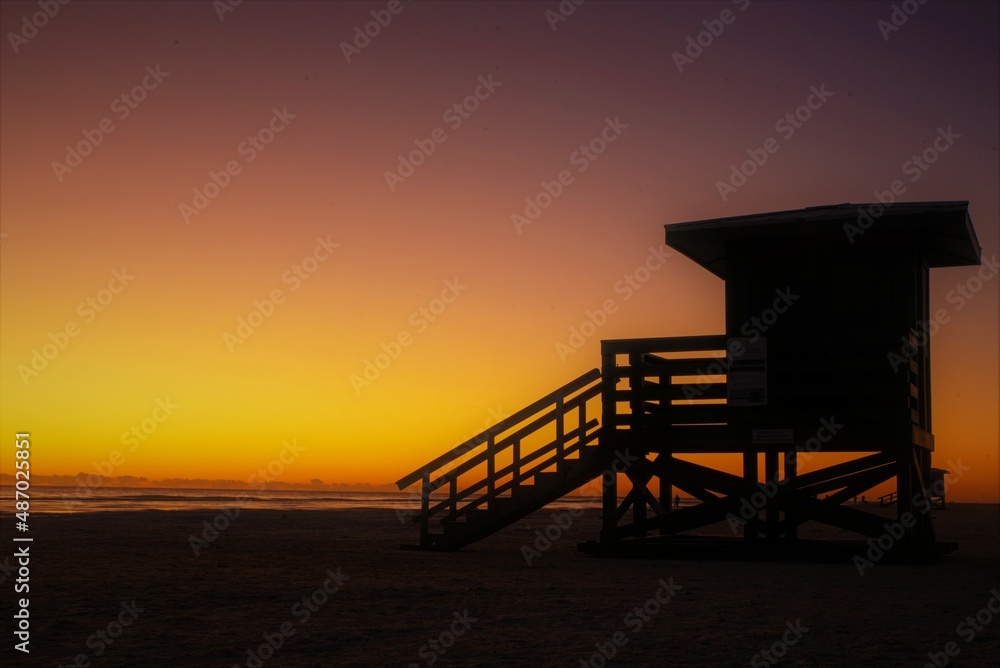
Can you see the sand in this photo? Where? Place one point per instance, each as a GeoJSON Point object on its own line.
{"type": "Point", "coordinates": [484, 602]}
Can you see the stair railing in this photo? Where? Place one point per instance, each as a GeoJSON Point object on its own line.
{"type": "Point", "coordinates": [448, 469]}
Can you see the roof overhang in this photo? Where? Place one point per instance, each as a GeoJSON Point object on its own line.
{"type": "Point", "coordinates": [948, 238]}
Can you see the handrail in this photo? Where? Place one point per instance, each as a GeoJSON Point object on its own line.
{"type": "Point", "coordinates": [664, 344]}
{"type": "Point", "coordinates": [887, 499]}
{"type": "Point", "coordinates": [486, 436]}
{"type": "Point", "coordinates": [584, 438]}
{"type": "Point", "coordinates": [511, 439]}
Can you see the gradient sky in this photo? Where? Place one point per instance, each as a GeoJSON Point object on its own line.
{"type": "Point", "coordinates": [494, 349]}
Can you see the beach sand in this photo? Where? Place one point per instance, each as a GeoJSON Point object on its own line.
{"type": "Point", "coordinates": [484, 602]}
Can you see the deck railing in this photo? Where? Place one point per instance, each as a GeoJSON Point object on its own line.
{"type": "Point", "coordinates": [672, 380]}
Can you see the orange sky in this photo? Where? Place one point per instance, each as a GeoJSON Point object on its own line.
{"type": "Point", "coordinates": [372, 254]}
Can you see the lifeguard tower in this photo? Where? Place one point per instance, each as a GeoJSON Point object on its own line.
{"type": "Point", "coordinates": [826, 356]}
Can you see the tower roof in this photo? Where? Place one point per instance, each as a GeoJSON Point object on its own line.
{"type": "Point", "coordinates": [945, 228]}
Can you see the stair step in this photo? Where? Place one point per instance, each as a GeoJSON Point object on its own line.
{"type": "Point", "coordinates": [546, 479]}
{"type": "Point", "coordinates": [502, 505]}
{"type": "Point", "coordinates": [568, 465]}
{"type": "Point", "coordinates": [536, 490]}
{"type": "Point", "coordinates": [482, 520]}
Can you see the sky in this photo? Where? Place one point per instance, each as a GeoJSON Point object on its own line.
{"type": "Point", "coordinates": [218, 218]}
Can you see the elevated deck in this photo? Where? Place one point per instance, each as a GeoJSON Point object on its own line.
{"type": "Point", "coordinates": [661, 401]}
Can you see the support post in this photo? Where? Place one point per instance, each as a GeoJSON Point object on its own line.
{"type": "Point", "coordinates": [609, 508]}
{"type": "Point", "coordinates": [752, 527]}
{"type": "Point", "coordinates": [425, 504]}
{"type": "Point", "coordinates": [560, 428]}
{"type": "Point", "coordinates": [516, 465]}
{"type": "Point", "coordinates": [609, 438]}
{"type": "Point", "coordinates": [771, 477]}
{"type": "Point", "coordinates": [491, 470]}
{"type": "Point", "coordinates": [791, 473]}
{"type": "Point", "coordinates": [666, 488]}
{"type": "Point", "coordinates": [638, 503]}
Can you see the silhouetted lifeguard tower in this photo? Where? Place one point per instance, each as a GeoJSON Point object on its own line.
{"type": "Point", "coordinates": [826, 350]}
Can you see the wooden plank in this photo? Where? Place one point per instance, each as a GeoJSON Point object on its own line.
{"type": "Point", "coordinates": [777, 389]}
{"type": "Point", "coordinates": [680, 366]}
{"type": "Point", "coordinates": [804, 480]}
{"type": "Point", "coordinates": [734, 438]}
{"type": "Point", "coordinates": [715, 436]}
{"type": "Point", "coordinates": [551, 460]}
{"type": "Point", "coordinates": [703, 366]}
{"type": "Point", "coordinates": [692, 414]}
{"type": "Point", "coordinates": [480, 439]}
{"type": "Point", "coordinates": [680, 391]}
{"type": "Point", "coordinates": [843, 517]}
{"type": "Point", "coordinates": [855, 483]}
{"type": "Point", "coordinates": [664, 344]}
{"type": "Point", "coordinates": [710, 511]}
{"type": "Point", "coordinates": [704, 477]}
{"type": "Point", "coordinates": [923, 438]}
{"type": "Point", "coordinates": [841, 364]}
{"type": "Point", "coordinates": [583, 438]}
{"type": "Point", "coordinates": [627, 502]}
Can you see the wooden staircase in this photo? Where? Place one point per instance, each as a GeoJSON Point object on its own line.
{"type": "Point", "coordinates": [518, 466]}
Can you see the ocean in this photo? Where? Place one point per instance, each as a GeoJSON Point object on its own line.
{"type": "Point", "coordinates": [124, 499]}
